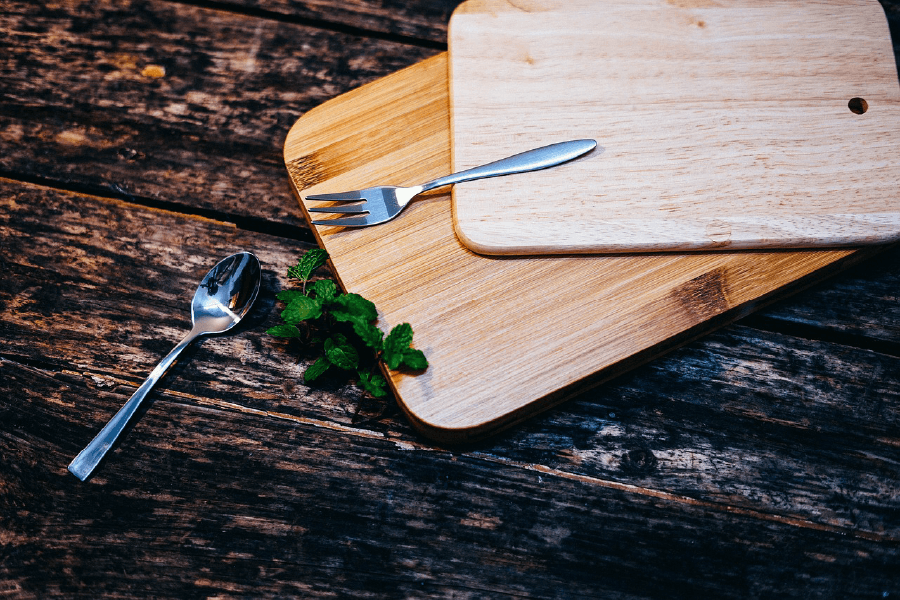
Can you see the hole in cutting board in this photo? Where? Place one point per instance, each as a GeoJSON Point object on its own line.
{"type": "Point", "coordinates": [858, 105]}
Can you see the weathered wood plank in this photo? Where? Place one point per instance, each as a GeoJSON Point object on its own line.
{"type": "Point", "coordinates": [170, 103]}
{"type": "Point", "coordinates": [240, 505]}
{"type": "Point", "coordinates": [97, 291]}
{"type": "Point", "coordinates": [422, 21]}
{"type": "Point", "coordinates": [860, 307]}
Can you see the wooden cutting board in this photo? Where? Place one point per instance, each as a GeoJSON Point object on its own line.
{"type": "Point", "coordinates": [723, 124]}
{"type": "Point", "coordinates": [505, 337]}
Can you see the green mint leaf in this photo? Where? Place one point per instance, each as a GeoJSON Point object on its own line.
{"type": "Point", "coordinates": [396, 344]}
{"type": "Point", "coordinates": [301, 308]}
{"type": "Point", "coordinates": [307, 264]}
{"type": "Point", "coordinates": [324, 289]}
{"type": "Point", "coordinates": [340, 352]}
{"type": "Point", "coordinates": [315, 370]}
{"type": "Point", "coordinates": [358, 306]}
{"type": "Point", "coordinates": [287, 296]}
{"type": "Point", "coordinates": [392, 359]}
{"type": "Point", "coordinates": [415, 359]}
{"type": "Point", "coordinates": [342, 315]}
{"type": "Point", "coordinates": [373, 383]}
{"type": "Point", "coordinates": [399, 338]}
{"type": "Point", "coordinates": [284, 331]}
{"type": "Point", "coordinates": [369, 334]}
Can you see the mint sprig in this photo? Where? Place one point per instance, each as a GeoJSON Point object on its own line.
{"type": "Point", "coordinates": [308, 263]}
{"type": "Point", "coordinates": [397, 349]}
{"type": "Point", "coordinates": [350, 340]}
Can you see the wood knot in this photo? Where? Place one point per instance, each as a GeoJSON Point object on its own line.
{"type": "Point", "coordinates": [639, 461]}
{"type": "Point", "coordinates": [704, 296]}
{"type": "Point", "coordinates": [154, 71]}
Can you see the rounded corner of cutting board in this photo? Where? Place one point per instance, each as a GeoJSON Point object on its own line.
{"type": "Point", "coordinates": [442, 434]}
{"type": "Point", "coordinates": [476, 235]}
{"type": "Point", "coordinates": [313, 129]}
{"type": "Point", "coordinates": [290, 152]}
{"type": "Point", "coordinates": [297, 134]}
{"type": "Point", "coordinates": [453, 431]}
{"type": "Point", "coordinates": [472, 7]}
{"type": "Point", "coordinates": [474, 241]}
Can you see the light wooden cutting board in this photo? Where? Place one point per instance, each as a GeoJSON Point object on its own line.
{"type": "Point", "coordinates": [723, 124]}
{"type": "Point", "coordinates": [505, 337]}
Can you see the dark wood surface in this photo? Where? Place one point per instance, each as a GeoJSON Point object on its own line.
{"type": "Point", "coordinates": [141, 142]}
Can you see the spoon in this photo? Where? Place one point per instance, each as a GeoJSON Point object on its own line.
{"type": "Point", "coordinates": [220, 302]}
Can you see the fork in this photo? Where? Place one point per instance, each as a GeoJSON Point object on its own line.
{"type": "Point", "coordinates": [375, 205]}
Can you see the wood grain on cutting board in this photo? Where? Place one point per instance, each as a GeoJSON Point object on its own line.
{"type": "Point", "coordinates": [506, 337]}
{"type": "Point", "coordinates": [723, 124]}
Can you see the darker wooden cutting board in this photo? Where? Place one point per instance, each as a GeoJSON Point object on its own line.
{"type": "Point", "coordinates": [723, 123]}
{"type": "Point", "coordinates": [505, 337]}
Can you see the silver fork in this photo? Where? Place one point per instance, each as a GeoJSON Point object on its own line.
{"type": "Point", "coordinates": [379, 204]}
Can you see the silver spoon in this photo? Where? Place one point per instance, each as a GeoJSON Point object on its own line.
{"type": "Point", "coordinates": [223, 298]}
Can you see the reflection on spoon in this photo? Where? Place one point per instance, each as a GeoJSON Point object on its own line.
{"type": "Point", "coordinates": [220, 302]}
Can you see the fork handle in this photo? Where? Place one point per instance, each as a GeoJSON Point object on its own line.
{"type": "Point", "coordinates": [533, 160]}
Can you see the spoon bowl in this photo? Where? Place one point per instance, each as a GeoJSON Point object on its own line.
{"type": "Point", "coordinates": [226, 294]}
{"type": "Point", "coordinates": [222, 299]}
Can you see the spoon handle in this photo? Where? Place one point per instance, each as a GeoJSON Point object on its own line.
{"type": "Point", "coordinates": [87, 460]}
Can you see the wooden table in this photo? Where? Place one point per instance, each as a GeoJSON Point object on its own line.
{"type": "Point", "coordinates": [141, 142]}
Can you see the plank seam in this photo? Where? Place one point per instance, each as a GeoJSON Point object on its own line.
{"type": "Point", "coordinates": [324, 24]}
{"type": "Point", "coordinates": [715, 506]}
{"type": "Point", "coordinates": [243, 223]}
{"type": "Point", "coordinates": [819, 333]}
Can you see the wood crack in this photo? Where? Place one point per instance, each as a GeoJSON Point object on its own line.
{"type": "Point", "coordinates": [671, 497]}
{"type": "Point", "coordinates": [300, 232]}
{"type": "Point", "coordinates": [324, 24]}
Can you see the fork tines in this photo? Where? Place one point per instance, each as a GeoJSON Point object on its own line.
{"type": "Point", "coordinates": [356, 208]}
{"type": "Point", "coordinates": [340, 208]}
{"type": "Point", "coordinates": [339, 197]}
